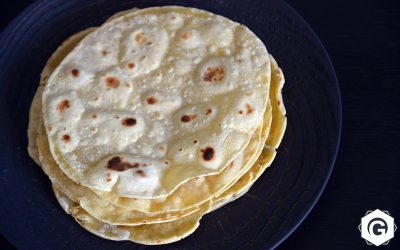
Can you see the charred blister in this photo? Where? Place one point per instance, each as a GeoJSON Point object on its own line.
{"type": "Point", "coordinates": [75, 72]}
{"type": "Point", "coordinates": [63, 105]}
{"type": "Point", "coordinates": [66, 138]}
{"type": "Point", "coordinates": [151, 100]}
{"type": "Point", "coordinates": [249, 108]}
{"type": "Point", "coordinates": [129, 122]}
{"type": "Point", "coordinates": [214, 74]}
{"type": "Point", "coordinates": [117, 164]}
{"type": "Point", "coordinates": [208, 153]}
{"type": "Point", "coordinates": [112, 82]}
{"type": "Point", "coordinates": [131, 65]}
{"type": "Point", "coordinates": [188, 118]}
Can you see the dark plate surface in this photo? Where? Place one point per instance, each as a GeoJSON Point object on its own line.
{"type": "Point", "coordinates": [275, 205]}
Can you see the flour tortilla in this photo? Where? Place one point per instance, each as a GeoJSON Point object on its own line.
{"type": "Point", "coordinates": [189, 195]}
{"type": "Point", "coordinates": [149, 234]}
{"type": "Point", "coordinates": [237, 190]}
{"type": "Point", "coordinates": [83, 145]}
{"type": "Point", "coordinates": [154, 234]}
{"type": "Point", "coordinates": [173, 231]}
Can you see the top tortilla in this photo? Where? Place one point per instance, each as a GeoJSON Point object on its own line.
{"type": "Point", "coordinates": [154, 98]}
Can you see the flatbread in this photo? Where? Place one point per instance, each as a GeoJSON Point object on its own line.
{"type": "Point", "coordinates": [122, 112]}
{"type": "Point", "coordinates": [191, 193]}
{"type": "Point", "coordinates": [169, 232]}
{"type": "Point", "coordinates": [159, 220]}
{"type": "Point", "coordinates": [154, 234]}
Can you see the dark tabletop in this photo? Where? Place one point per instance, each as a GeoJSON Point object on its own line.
{"type": "Point", "coordinates": [362, 38]}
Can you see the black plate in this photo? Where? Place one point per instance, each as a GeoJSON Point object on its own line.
{"type": "Point", "coordinates": [276, 204]}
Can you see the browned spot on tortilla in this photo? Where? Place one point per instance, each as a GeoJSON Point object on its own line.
{"type": "Point", "coordinates": [214, 74]}
{"type": "Point", "coordinates": [279, 103]}
{"type": "Point", "coordinates": [151, 100]}
{"type": "Point", "coordinates": [117, 164]}
{"type": "Point", "coordinates": [112, 82]}
{"type": "Point", "coordinates": [95, 98]}
{"type": "Point", "coordinates": [161, 148]}
{"type": "Point", "coordinates": [108, 179]}
{"type": "Point", "coordinates": [186, 35]}
{"type": "Point", "coordinates": [140, 37]}
{"type": "Point", "coordinates": [45, 78]}
{"type": "Point", "coordinates": [249, 108]}
{"type": "Point", "coordinates": [249, 93]}
{"type": "Point", "coordinates": [240, 112]}
{"type": "Point", "coordinates": [104, 52]}
{"type": "Point", "coordinates": [66, 138]}
{"type": "Point", "coordinates": [63, 105]}
{"type": "Point", "coordinates": [128, 85]}
{"type": "Point", "coordinates": [129, 122]}
{"type": "Point", "coordinates": [149, 43]}
{"type": "Point", "coordinates": [142, 58]}
{"type": "Point", "coordinates": [131, 65]}
{"type": "Point", "coordinates": [75, 72]}
{"type": "Point", "coordinates": [108, 174]}
{"type": "Point", "coordinates": [94, 116]}
{"type": "Point", "coordinates": [208, 153]}
{"type": "Point", "coordinates": [230, 165]}
{"type": "Point", "coordinates": [133, 51]}
{"type": "Point", "coordinates": [209, 111]}
{"type": "Point", "coordinates": [188, 118]}
{"type": "Point", "coordinates": [195, 141]}
{"type": "Point", "coordinates": [173, 17]}
{"type": "Point", "coordinates": [141, 173]}
{"type": "Point", "coordinates": [180, 150]}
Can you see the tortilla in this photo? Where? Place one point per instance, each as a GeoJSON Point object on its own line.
{"type": "Point", "coordinates": [189, 195]}
{"type": "Point", "coordinates": [154, 234]}
{"type": "Point", "coordinates": [93, 204]}
{"type": "Point", "coordinates": [173, 210]}
{"type": "Point", "coordinates": [123, 109]}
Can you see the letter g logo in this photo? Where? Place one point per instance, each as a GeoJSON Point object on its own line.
{"type": "Point", "coordinates": [378, 226]}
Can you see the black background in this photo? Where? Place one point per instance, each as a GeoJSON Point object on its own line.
{"type": "Point", "coordinates": [362, 38]}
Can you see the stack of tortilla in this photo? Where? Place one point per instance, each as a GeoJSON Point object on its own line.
{"type": "Point", "coordinates": [154, 119]}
